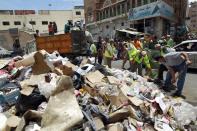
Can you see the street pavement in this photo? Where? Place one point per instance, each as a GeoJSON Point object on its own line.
{"type": "Point", "coordinates": [190, 87]}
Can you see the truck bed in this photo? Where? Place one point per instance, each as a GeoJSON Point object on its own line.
{"type": "Point", "coordinates": [61, 43]}
{"type": "Point", "coordinates": [69, 43]}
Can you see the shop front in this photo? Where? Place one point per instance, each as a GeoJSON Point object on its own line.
{"type": "Point", "coordinates": [154, 18]}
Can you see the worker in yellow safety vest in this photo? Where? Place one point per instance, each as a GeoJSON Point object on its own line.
{"type": "Point", "coordinates": [128, 48]}
{"type": "Point", "coordinates": [108, 53]}
{"type": "Point", "coordinates": [170, 41]}
{"type": "Point", "coordinates": [136, 58]}
{"type": "Point", "coordinates": [93, 50]}
{"type": "Point", "coordinates": [143, 58]}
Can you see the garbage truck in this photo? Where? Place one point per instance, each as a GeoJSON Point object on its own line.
{"type": "Point", "coordinates": [74, 43]}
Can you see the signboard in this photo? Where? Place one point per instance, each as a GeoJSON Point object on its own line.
{"type": "Point", "coordinates": [24, 12]}
{"type": "Point", "coordinates": [155, 9]}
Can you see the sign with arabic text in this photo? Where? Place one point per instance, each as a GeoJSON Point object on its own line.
{"type": "Point", "coordinates": [154, 9]}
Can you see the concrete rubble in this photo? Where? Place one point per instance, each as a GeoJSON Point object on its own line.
{"type": "Point", "coordinates": [46, 92]}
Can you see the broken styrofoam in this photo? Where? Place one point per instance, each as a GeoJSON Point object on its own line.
{"type": "Point", "coordinates": [3, 120]}
{"type": "Point", "coordinates": [84, 69]}
{"type": "Point", "coordinates": [46, 88]}
{"type": "Point", "coordinates": [33, 126]}
{"type": "Point", "coordinates": [27, 60]}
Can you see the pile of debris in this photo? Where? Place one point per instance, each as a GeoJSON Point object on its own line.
{"type": "Point", "coordinates": [47, 92]}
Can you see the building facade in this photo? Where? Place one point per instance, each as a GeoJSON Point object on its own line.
{"type": "Point", "coordinates": [193, 17]}
{"type": "Point", "coordinates": [104, 17]}
{"type": "Point", "coordinates": [32, 20]}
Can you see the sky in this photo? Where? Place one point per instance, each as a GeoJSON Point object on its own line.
{"type": "Point", "coordinates": [41, 4]}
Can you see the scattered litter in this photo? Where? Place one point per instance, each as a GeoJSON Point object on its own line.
{"type": "Point", "coordinates": [47, 92]}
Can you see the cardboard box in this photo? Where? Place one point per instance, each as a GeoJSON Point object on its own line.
{"type": "Point", "coordinates": [99, 123]}
{"type": "Point", "coordinates": [113, 80]}
{"type": "Point", "coordinates": [119, 115]}
{"type": "Point", "coordinates": [12, 122]}
{"type": "Point", "coordinates": [40, 66]}
{"type": "Point", "coordinates": [30, 115]}
{"type": "Point", "coordinates": [63, 111]}
{"type": "Point", "coordinates": [27, 90]}
{"type": "Point", "coordinates": [115, 127]}
{"type": "Point", "coordinates": [95, 77]}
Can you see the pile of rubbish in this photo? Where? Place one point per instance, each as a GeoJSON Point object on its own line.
{"type": "Point", "coordinates": [46, 92]}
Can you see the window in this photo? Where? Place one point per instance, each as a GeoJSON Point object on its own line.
{"type": "Point", "coordinates": [44, 22]}
{"type": "Point", "coordinates": [123, 8]}
{"type": "Point", "coordinates": [118, 9]}
{"type": "Point", "coordinates": [139, 3]}
{"type": "Point", "coordinates": [32, 22]}
{"type": "Point", "coordinates": [133, 3]}
{"type": "Point", "coordinates": [107, 26]}
{"type": "Point", "coordinates": [107, 13]}
{"type": "Point", "coordinates": [128, 6]}
{"type": "Point", "coordinates": [148, 22]}
{"type": "Point", "coordinates": [97, 16]}
{"type": "Point", "coordinates": [6, 23]}
{"type": "Point", "coordinates": [111, 12]}
{"type": "Point", "coordinates": [114, 11]}
{"type": "Point", "coordinates": [188, 47]}
{"type": "Point", "coordinates": [17, 23]}
{"type": "Point", "coordinates": [78, 12]}
{"type": "Point", "coordinates": [102, 15]}
{"type": "Point", "coordinates": [122, 24]}
{"type": "Point", "coordinates": [152, 1]}
{"type": "Point", "coordinates": [145, 2]}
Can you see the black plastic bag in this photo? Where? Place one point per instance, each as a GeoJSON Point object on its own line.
{"type": "Point", "coordinates": [30, 102]}
{"type": "Point", "coordinates": [78, 81]}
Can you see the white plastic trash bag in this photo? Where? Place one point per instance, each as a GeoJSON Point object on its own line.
{"type": "Point", "coordinates": [184, 113]}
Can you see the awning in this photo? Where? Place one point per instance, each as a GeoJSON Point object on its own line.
{"type": "Point", "coordinates": [130, 32]}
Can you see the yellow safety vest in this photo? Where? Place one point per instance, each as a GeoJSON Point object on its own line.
{"type": "Point", "coordinates": [132, 53]}
{"type": "Point", "coordinates": [161, 52]}
{"type": "Point", "coordinates": [170, 42]}
{"type": "Point", "coordinates": [147, 62]}
{"type": "Point", "coordinates": [114, 49]}
{"type": "Point", "coordinates": [93, 49]}
{"type": "Point", "coordinates": [108, 51]}
{"type": "Point", "coordinates": [144, 59]}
